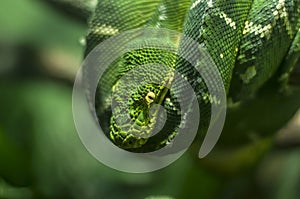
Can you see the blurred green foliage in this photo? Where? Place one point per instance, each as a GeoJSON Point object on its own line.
{"type": "Point", "coordinates": [41, 155]}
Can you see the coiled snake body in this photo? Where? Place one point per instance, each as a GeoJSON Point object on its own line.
{"type": "Point", "coordinates": [252, 42]}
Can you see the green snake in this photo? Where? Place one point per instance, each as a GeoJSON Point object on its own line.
{"type": "Point", "coordinates": [252, 42]}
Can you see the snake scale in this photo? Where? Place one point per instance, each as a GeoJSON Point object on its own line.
{"type": "Point", "coordinates": [252, 42]}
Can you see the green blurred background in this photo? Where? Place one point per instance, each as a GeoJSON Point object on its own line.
{"type": "Point", "coordinates": [41, 156]}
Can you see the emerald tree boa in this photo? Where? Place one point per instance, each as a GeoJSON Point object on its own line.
{"type": "Point", "coordinates": [254, 44]}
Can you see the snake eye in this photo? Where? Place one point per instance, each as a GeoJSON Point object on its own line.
{"type": "Point", "coordinates": [150, 97]}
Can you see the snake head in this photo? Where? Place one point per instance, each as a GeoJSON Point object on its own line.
{"type": "Point", "coordinates": [140, 100]}
{"type": "Point", "coordinates": [139, 117]}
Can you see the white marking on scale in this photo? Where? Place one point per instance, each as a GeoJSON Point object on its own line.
{"type": "Point", "coordinates": [106, 30]}
{"type": "Point", "coordinates": [280, 12]}
{"type": "Point", "coordinates": [285, 16]}
{"type": "Point", "coordinates": [228, 20]}
{"type": "Point", "coordinates": [92, 3]}
{"type": "Point", "coordinates": [195, 4]}
{"type": "Point", "coordinates": [258, 29]}
{"type": "Point", "coordinates": [210, 3]}
{"type": "Point", "coordinates": [163, 15]}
